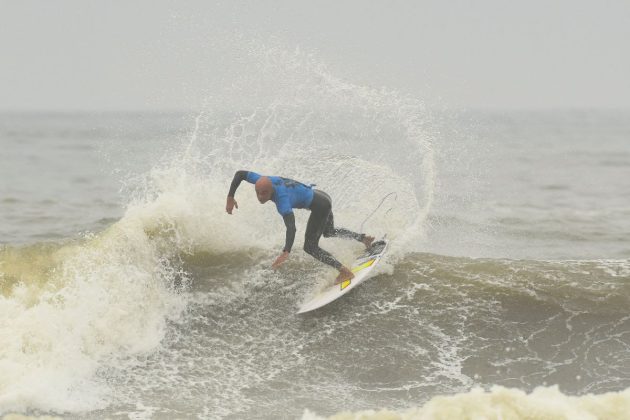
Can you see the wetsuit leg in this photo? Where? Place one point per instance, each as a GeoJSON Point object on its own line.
{"type": "Point", "coordinates": [320, 211]}
{"type": "Point", "coordinates": [331, 231]}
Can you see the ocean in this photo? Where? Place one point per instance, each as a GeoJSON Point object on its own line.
{"type": "Point", "coordinates": [127, 292]}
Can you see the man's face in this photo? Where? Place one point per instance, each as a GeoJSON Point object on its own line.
{"type": "Point", "coordinates": [264, 194]}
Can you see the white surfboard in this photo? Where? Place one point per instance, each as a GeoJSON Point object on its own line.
{"type": "Point", "coordinates": [362, 268]}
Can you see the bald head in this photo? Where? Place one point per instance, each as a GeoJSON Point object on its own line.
{"type": "Point", "coordinates": [264, 189]}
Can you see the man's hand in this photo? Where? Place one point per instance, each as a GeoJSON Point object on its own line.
{"type": "Point", "coordinates": [282, 258]}
{"type": "Point", "coordinates": [231, 203]}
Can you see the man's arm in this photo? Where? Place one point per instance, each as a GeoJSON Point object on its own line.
{"type": "Point", "coordinates": [239, 177]}
{"type": "Point", "coordinates": [289, 222]}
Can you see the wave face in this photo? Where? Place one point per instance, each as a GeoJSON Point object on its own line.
{"type": "Point", "coordinates": [436, 325]}
{"type": "Point", "coordinates": [428, 325]}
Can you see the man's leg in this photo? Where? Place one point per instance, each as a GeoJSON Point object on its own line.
{"type": "Point", "coordinates": [314, 229]}
{"type": "Point", "coordinates": [320, 210]}
{"type": "Point", "coordinates": [331, 231]}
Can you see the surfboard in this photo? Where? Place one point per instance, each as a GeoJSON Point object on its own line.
{"type": "Point", "coordinates": [362, 268]}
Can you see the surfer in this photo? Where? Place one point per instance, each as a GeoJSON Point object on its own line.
{"type": "Point", "coordinates": [288, 194]}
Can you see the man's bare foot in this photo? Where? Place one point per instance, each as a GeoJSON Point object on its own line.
{"type": "Point", "coordinates": [367, 241]}
{"type": "Point", "coordinates": [344, 274]}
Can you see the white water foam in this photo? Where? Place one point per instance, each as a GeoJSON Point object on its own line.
{"type": "Point", "coordinates": [499, 403]}
{"type": "Point", "coordinates": [102, 300]}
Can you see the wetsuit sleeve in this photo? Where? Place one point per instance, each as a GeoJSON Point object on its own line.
{"type": "Point", "coordinates": [252, 177]}
{"type": "Point", "coordinates": [239, 177]}
{"type": "Point", "coordinates": [289, 222]}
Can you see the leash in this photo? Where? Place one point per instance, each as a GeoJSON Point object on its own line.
{"type": "Point", "coordinates": [377, 207]}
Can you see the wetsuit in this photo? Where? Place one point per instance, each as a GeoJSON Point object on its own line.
{"type": "Point", "coordinates": [289, 194]}
{"type": "Point", "coordinates": [321, 221]}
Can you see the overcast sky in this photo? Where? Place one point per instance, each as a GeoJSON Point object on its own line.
{"type": "Point", "coordinates": [137, 55]}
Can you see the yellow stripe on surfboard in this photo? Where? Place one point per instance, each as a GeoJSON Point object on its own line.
{"type": "Point", "coordinates": [366, 264]}
{"type": "Point", "coordinates": [362, 266]}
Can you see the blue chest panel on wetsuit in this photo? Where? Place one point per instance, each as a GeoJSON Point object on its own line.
{"type": "Point", "coordinates": [287, 193]}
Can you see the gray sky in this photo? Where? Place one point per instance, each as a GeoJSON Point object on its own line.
{"type": "Point", "coordinates": [111, 55]}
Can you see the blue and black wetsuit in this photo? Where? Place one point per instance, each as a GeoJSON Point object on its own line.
{"type": "Point", "coordinates": [289, 194]}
